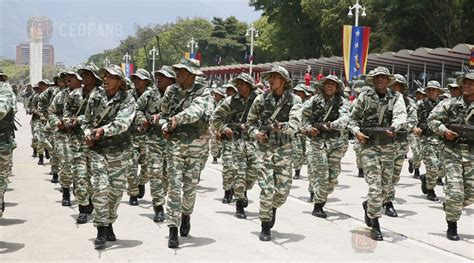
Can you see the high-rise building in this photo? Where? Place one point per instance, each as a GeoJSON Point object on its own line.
{"type": "Point", "coordinates": [23, 54]}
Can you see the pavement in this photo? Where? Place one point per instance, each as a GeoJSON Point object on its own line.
{"type": "Point", "coordinates": [37, 228]}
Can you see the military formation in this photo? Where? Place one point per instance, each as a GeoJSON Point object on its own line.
{"type": "Point", "coordinates": [106, 134]}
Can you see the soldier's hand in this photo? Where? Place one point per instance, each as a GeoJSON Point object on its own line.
{"type": "Point", "coordinates": [261, 137]}
{"type": "Point", "coordinates": [173, 122]}
{"type": "Point", "coordinates": [166, 134]}
{"type": "Point", "coordinates": [144, 126]}
{"type": "Point", "coordinates": [417, 131]}
{"type": "Point", "coordinates": [277, 127]}
{"type": "Point", "coordinates": [155, 118]}
{"type": "Point", "coordinates": [73, 123]}
{"type": "Point", "coordinates": [98, 133]}
{"type": "Point", "coordinates": [390, 133]}
{"type": "Point", "coordinates": [228, 132]}
{"type": "Point", "coordinates": [362, 138]}
{"type": "Point", "coordinates": [450, 135]}
{"type": "Point", "coordinates": [243, 127]}
{"type": "Point", "coordinates": [60, 125]}
{"type": "Point", "coordinates": [313, 132]}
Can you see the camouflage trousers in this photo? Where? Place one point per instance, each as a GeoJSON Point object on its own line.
{"type": "Point", "coordinates": [109, 181]}
{"type": "Point", "coordinates": [184, 167]}
{"type": "Point", "coordinates": [81, 171]}
{"type": "Point", "coordinates": [459, 185]}
{"type": "Point", "coordinates": [400, 152]}
{"type": "Point", "coordinates": [204, 152]}
{"type": "Point", "coordinates": [64, 156]}
{"type": "Point", "coordinates": [274, 177]}
{"type": "Point", "coordinates": [42, 137]}
{"type": "Point", "coordinates": [299, 152]}
{"type": "Point", "coordinates": [357, 150]}
{"type": "Point", "coordinates": [228, 165]}
{"type": "Point", "coordinates": [216, 146]}
{"type": "Point", "coordinates": [377, 163]}
{"type": "Point", "coordinates": [6, 156]}
{"type": "Point", "coordinates": [34, 134]}
{"type": "Point", "coordinates": [311, 168]}
{"type": "Point", "coordinates": [431, 151]}
{"type": "Point", "coordinates": [328, 163]}
{"type": "Point", "coordinates": [245, 160]}
{"type": "Point", "coordinates": [53, 153]}
{"type": "Point", "coordinates": [415, 149]}
{"type": "Point", "coordinates": [156, 170]}
{"type": "Point", "coordinates": [139, 158]}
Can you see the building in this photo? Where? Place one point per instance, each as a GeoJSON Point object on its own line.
{"type": "Point", "coordinates": [23, 54]}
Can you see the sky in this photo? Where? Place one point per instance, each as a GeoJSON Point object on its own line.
{"type": "Point", "coordinates": [85, 27]}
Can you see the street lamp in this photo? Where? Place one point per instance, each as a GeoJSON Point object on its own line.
{"type": "Point", "coordinates": [357, 8]}
{"type": "Point", "coordinates": [153, 53]}
{"type": "Point", "coordinates": [126, 57]}
{"type": "Point", "coordinates": [251, 31]}
{"type": "Point", "coordinates": [192, 44]}
{"type": "Point", "coordinates": [106, 62]}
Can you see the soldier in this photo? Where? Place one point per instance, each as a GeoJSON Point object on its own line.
{"type": "Point", "coordinates": [273, 120]}
{"type": "Point", "coordinates": [415, 162]}
{"type": "Point", "coordinates": [377, 114]}
{"type": "Point", "coordinates": [454, 90]}
{"type": "Point", "coordinates": [7, 134]}
{"type": "Point", "coordinates": [325, 117]}
{"type": "Point", "coordinates": [43, 101]}
{"type": "Point", "coordinates": [300, 140]}
{"type": "Point", "coordinates": [357, 87]}
{"type": "Point", "coordinates": [229, 120]}
{"type": "Point", "coordinates": [142, 81]}
{"type": "Point", "coordinates": [106, 123]}
{"type": "Point", "coordinates": [216, 145]}
{"type": "Point", "coordinates": [401, 142]}
{"type": "Point", "coordinates": [182, 123]}
{"type": "Point", "coordinates": [454, 121]}
{"type": "Point", "coordinates": [430, 143]}
{"type": "Point", "coordinates": [148, 115]}
{"type": "Point", "coordinates": [35, 119]}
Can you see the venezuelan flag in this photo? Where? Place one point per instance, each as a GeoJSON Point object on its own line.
{"type": "Point", "coordinates": [355, 45]}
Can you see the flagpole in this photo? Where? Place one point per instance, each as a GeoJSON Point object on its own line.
{"type": "Point", "coordinates": [251, 31]}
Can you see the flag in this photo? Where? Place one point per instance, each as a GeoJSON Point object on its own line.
{"type": "Point", "coordinates": [127, 69]}
{"type": "Point", "coordinates": [471, 62]}
{"type": "Point", "coordinates": [186, 55]}
{"type": "Point", "coordinates": [355, 45]}
{"type": "Point", "coordinates": [192, 55]}
{"type": "Point", "coordinates": [198, 56]}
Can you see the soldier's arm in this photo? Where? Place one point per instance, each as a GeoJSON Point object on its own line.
{"type": "Point", "coordinates": [165, 107]}
{"type": "Point", "coordinates": [140, 113]}
{"type": "Point", "coordinates": [254, 116]}
{"type": "Point", "coordinates": [356, 115]}
{"type": "Point", "coordinates": [43, 103]}
{"type": "Point", "coordinates": [341, 122]}
{"type": "Point", "coordinates": [307, 113]}
{"type": "Point", "coordinates": [220, 115]}
{"type": "Point", "coordinates": [438, 117]}
{"type": "Point", "coordinates": [54, 110]}
{"type": "Point", "coordinates": [195, 111]}
{"type": "Point", "coordinates": [412, 117]}
{"type": "Point", "coordinates": [294, 122]}
{"type": "Point", "coordinates": [399, 114]}
{"type": "Point", "coordinates": [86, 124]}
{"type": "Point", "coordinates": [5, 104]}
{"type": "Point", "coordinates": [123, 120]}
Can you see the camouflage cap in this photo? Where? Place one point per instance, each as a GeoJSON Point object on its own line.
{"type": "Point", "coordinates": [461, 79]}
{"type": "Point", "coordinates": [340, 84]}
{"type": "Point", "coordinates": [245, 78]}
{"type": "Point", "coordinates": [112, 70]}
{"type": "Point", "coordinates": [220, 90]}
{"type": "Point", "coordinates": [446, 95]}
{"type": "Point", "coordinates": [91, 68]}
{"type": "Point", "coordinates": [2, 74]}
{"type": "Point", "coordinates": [380, 71]}
{"type": "Point", "coordinates": [166, 71]}
{"type": "Point", "coordinates": [45, 81]}
{"type": "Point", "coordinates": [401, 79]}
{"type": "Point", "coordinates": [433, 84]}
{"type": "Point", "coordinates": [191, 65]}
{"type": "Point", "coordinates": [282, 71]}
{"type": "Point", "coordinates": [452, 85]}
{"type": "Point", "coordinates": [142, 74]}
{"type": "Point", "coordinates": [420, 90]}
{"type": "Point", "coordinates": [75, 74]}
{"type": "Point", "coordinates": [229, 85]}
{"type": "Point", "coordinates": [302, 87]}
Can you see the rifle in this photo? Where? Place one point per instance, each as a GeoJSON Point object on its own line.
{"type": "Point", "coordinates": [465, 131]}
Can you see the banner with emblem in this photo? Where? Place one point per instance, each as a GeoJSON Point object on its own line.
{"type": "Point", "coordinates": [355, 45]}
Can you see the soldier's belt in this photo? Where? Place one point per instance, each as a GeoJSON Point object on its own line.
{"type": "Point", "coordinates": [107, 149]}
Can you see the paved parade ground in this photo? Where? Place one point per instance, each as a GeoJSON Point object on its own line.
{"type": "Point", "coordinates": [36, 227]}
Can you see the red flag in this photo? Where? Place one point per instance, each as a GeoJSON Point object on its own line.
{"type": "Point", "coordinates": [198, 56]}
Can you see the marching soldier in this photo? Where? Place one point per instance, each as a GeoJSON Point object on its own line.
{"type": "Point", "coordinates": [430, 143]}
{"type": "Point", "coordinates": [44, 99]}
{"type": "Point", "coordinates": [300, 141]}
{"type": "Point", "coordinates": [216, 145]}
{"type": "Point", "coordinates": [377, 114]}
{"type": "Point", "coordinates": [229, 120]}
{"type": "Point", "coordinates": [182, 123]}
{"type": "Point", "coordinates": [415, 162]}
{"type": "Point", "coordinates": [35, 120]}
{"type": "Point", "coordinates": [454, 90]}
{"type": "Point", "coordinates": [454, 121]}
{"type": "Point", "coordinates": [273, 120]}
{"type": "Point", "coordinates": [325, 117]}
{"type": "Point", "coordinates": [106, 126]}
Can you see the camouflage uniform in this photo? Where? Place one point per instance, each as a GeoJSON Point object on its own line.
{"type": "Point", "coordinates": [273, 165]}
{"type": "Point", "coordinates": [387, 111]}
{"type": "Point", "coordinates": [329, 146]}
{"type": "Point", "coordinates": [414, 140]}
{"type": "Point", "coordinates": [215, 142]}
{"type": "Point", "coordinates": [45, 133]}
{"type": "Point", "coordinates": [299, 143]}
{"type": "Point", "coordinates": [35, 119]}
{"type": "Point", "coordinates": [7, 127]}
{"type": "Point", "coordinates": [458, 154]}
{"type": "Point", "coordinates": [110, 155]}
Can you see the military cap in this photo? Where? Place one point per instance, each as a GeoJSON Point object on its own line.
{"type": "Point", "coordinates": [91, 68]}
{"type": "Point", "coordinates": [433, 84]}
{"type": "Point", "coordinates": [75, 74]}
{"type": "Point", "coordinates": [166, 71]}
{"type": "Point", "coordinates": [380, 71]}
{"type": "Point", "coordinates": [229, 85]}
{"type": "Point", "coordinates": [420, 90]}
{"type": "Point", "coordinates": [45, 81]}
{"type": "Point", "coordinates": [142, 74]}
{"type": "Point", "coordinates": [282, 71]}
{"type": "Point", "coordinates": [2, 74]}
{"type": "Point", "coordinates": [112, 70]}
{"type": "Point", "coordinates": [245, 78]}
{"type": "Point", "coordinates": [334, 78]}
{"type": "Point", "coordinates": [401, 79]}
{"type": "Point", "coordinates": [220, 90]}
{"type": "Point", "coordinates": [461, 79]}
{"type": "Point", "coordinates": [302, 87]}
{"type": "Point", "coordinates": [191, 65]}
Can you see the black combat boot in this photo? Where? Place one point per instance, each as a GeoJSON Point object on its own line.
{"type": "Point", "coordinates": [361, 173]}
{"type": "Point", "coordinates": [82, 218]}
{"type": "Point", "coordinates": [141, 191]}
{"type": "Point", "coordinates": [66, 197]}
{"type": "Point", "coordinates": [110, 235]}
{"type": "Point", "coordinates": [318, 211]}
{"type": "Point", "coordinates": [227, 197]}
{"type": "Point", "coordinates": [185, 225]}
{"type": "Point", "coordinates": [423, 184]}
{"type": "Point", "coordinates": [439, 182]}
{"type": "Point", "coordinates": [89, 207]}
{"type": "Point", "coordinates": [390, 210]}
{"type": "Point", "coordinates": [246, 200]}
{"type": "Point", "coordinates": [214, 160]}
{"type": "Point", "coordinates": [46, 154]}
{"type": "Point", "coordinates": [159, 214]}
{"type": "Point", "coordinates": [432, 196]}
{"type": "Point", "coordinates": [265, 233]}
{"type": "Point", "coordinates": [375, 232]}
{"type": "Point", "coordinates": [173, 241]}
{"type": "Point", "coordinates": [133, 201]}
{"type": "Point", "coordinates": [416, 174]}
{"type": "Point", "coordinates": [367, 220]}
{"type": "Point", "coordinates": [40, 159]}
{"type": "Point", "coordinates": [410, 166]}
{"type": "Point", "coordinates": [311, 197]}
{"type": "Point", "coordinates": [272, 223]}
{"type": "Point", "coordinates": [35, 153]}
{"type": "Point", "coordinates": [297, 174]}
{"type": "Point", "coordinates": [101, 238]}
{"type": "Point", "coordinates": [452, 233]}
{"type": "Point", "coordinates": [55, 178]}
{"type": "Point", "coordinates": [240, 212]}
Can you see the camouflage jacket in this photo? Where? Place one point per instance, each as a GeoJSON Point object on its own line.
{"type": "Point", "coordinates": [133, 92]}
{"type": "Point", "coordinates": [412, 116]}
{"type": "Point", "coordinates": [75, 106]}
{"type": "Point", "coordinates": [7, 109]}
{"type": "Point", "coordinates": [45, 99]}
{"type": "Point", "coordinates": [56, 109]}
{"type": "Point", "coordinates": [149, 104]}
{"type": "Point", "coordinates": [231, 110]}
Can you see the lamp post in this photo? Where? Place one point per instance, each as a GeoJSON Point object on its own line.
{"type": "Point", "coordinates": [127, 57]}
{"type": "Point", "coordinates": [251, 31]}
{"type": "Point", "coordinates": [106, 62]}
{"type": "Point", "coordinates": [153, 53]}
{"type": "Point", "coordinates": [192, 44]}
{"type": "Point", "coordinates": [357, 8]}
